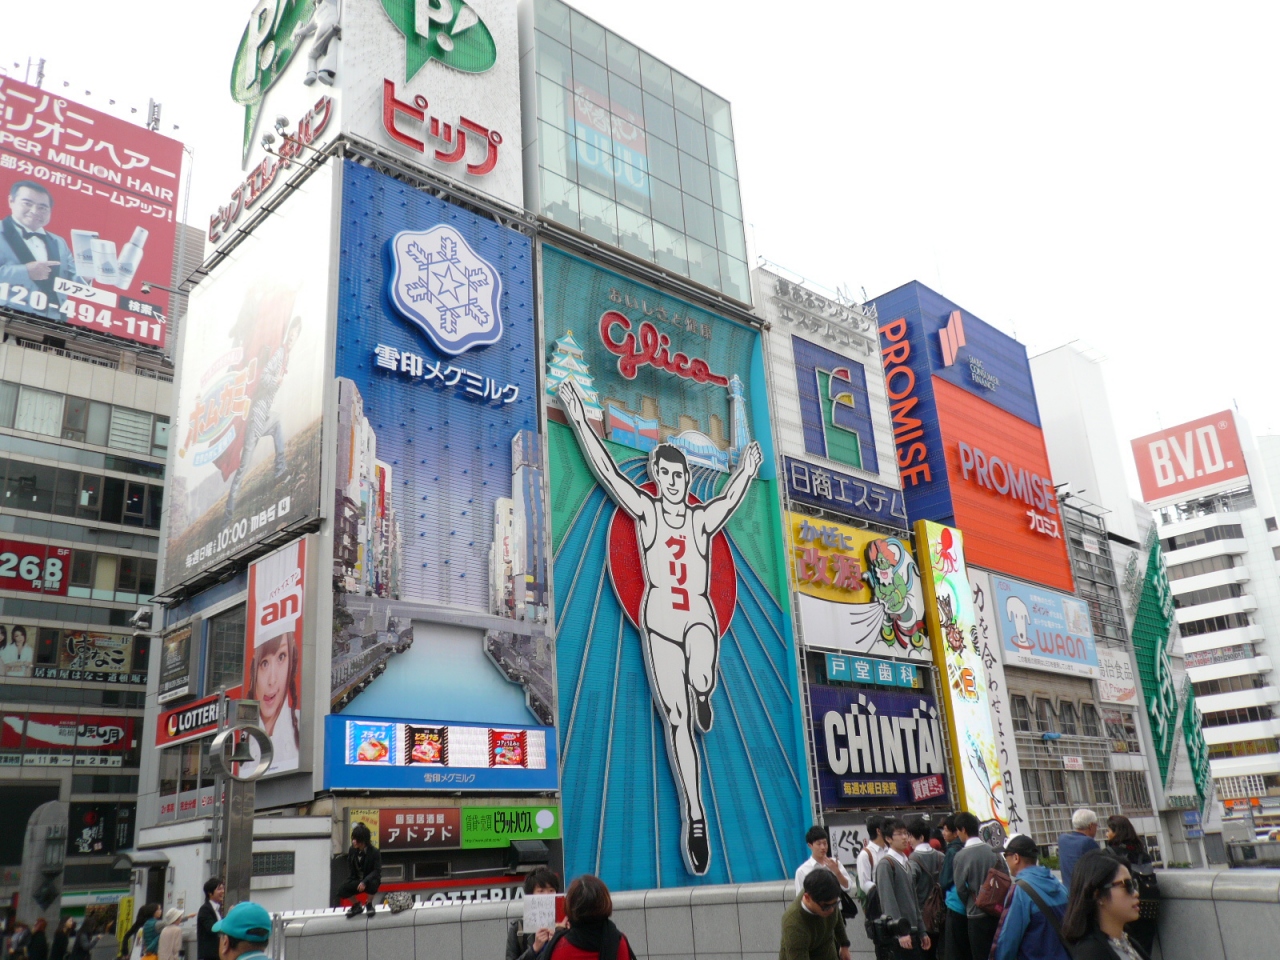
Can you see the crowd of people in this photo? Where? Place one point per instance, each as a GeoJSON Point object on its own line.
{"type": "Point", "coordinates": [944, 893]}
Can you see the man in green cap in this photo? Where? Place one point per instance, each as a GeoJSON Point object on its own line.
{"type": "Point", "coordinates": [243, 933]}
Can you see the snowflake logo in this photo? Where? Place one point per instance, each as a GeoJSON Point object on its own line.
{"type": "Point", "coordinates": [446, 289]}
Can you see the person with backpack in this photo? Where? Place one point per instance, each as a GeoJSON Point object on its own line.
{"type": "Point", "coordinates": [869, 858]}
{"type": "Point", "coordinates": [926, 862]}
{"type": "Point", "coordinates": [971, 866]}
{"type": "Point", "coordinates": [896, 883]}
{"type": "Point", "coordinates": [1124, 842]}
{"type": "Point", "coordinates": [1030, 926]}
{"type": "Point", "coordinates": [955, 930]}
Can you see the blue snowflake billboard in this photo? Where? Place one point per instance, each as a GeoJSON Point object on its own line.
{"type": "Point", "coordinates": [438, 495]}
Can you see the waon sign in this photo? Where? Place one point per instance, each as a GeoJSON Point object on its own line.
{"type": "Point", "coordinates": [1193, 459]}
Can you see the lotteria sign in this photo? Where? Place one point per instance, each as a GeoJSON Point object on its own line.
{"type": "Point", "coordinates": [187, 722]}
{"type": "Point", "coordinates": [1200, 457]}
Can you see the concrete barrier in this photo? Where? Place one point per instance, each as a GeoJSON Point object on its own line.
{"type": "Point", "coordinates": [1206, 915]}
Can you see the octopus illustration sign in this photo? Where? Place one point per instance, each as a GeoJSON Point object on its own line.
{"type": "Point", "coordinates": [679, 706]}
{"type": "Point", "coordinates": [859, 591]}
{"type": "Point", "coordinates": [979, 782]}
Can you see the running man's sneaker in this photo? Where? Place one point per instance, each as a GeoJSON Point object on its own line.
{"type": "Point", "coordinates": [702, 713]}
{"type": "Point", "coordinates": [699, 847]}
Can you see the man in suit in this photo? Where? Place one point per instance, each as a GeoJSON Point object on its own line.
{"type": "Point", "coordinates": [210, 913]}
{"type": "Point", "coordinates": [31, 256]}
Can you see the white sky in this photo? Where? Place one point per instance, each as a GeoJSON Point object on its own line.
{"type": "Point", "coordinates": [1103, 172]}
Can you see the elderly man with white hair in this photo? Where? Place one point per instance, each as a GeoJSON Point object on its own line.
{"type": "Point", "coordinates": [1073, 846]}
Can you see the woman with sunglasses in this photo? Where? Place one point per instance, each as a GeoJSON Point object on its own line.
{"type": "Point", "coordinates": [1104, 897]}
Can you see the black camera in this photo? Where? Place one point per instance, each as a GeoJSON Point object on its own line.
{"type": "Point", "coordinates": [886, 930]}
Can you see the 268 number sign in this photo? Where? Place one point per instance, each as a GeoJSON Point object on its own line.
{"type": "Point", "coordinates": [34, 568]}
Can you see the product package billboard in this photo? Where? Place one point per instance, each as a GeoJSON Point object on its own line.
{"type": "Point", "coordinates": [1044, 629]}
{"type": "Point", "coordinates": [859, 591]}
{"type": "Point", "coordinates": [970, 449]}
{"type": "Point", "coordinates": [437, 84]}
{"type": "Point", "coordinates": [273, 651]}
{"type": "Point", "coordinates": [878, 749]}
{"type": "Point", "coordinates": [663, 477]}
{"type": "Point", "coordinates": [979, 779]}
{"type": "Point", "coordinates": [440, 565]}
{"type": "Point", "coordinates": [91, 217]}
{"type": "Point", "coordinates": [830, 408]}
{"type": "Point", "coordinates": [1192, 459]}
{"type": "Point", "coordinates": [246, 458]}
{"type": "Point", "coordinates": [374, 753]}
{"type": "Point", "coordinates": [1116, 682]}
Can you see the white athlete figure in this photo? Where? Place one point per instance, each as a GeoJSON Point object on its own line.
{"type": "Point", "coordinates": [681, 639]}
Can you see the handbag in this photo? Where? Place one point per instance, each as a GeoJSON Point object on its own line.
{"type": "Point", "coordinates": [1048, 913]}
{"type": "Point", "coordinates": [994, 889]}
{"type": "Point", "coordinates": [1148, 890]}
{"type": "Point", "coordinates": [848, 909]}
{"type": "Point", "coordinates": [399, 901]}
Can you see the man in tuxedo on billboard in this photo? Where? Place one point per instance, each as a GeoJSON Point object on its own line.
{"type": "Point", "coordinates": [31, 256]}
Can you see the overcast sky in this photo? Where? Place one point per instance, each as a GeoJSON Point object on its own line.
{"type": "Point", "coordinates": [1103, 172]}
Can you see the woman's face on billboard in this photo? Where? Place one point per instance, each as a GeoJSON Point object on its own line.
{"type": "Point", "coordinates": [272, 686]}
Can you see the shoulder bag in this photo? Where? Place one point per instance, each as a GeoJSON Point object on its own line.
{"type": "Point", "coordinates": [1047, 911]}
{"type": "Point", "coordinates": [994, 889]}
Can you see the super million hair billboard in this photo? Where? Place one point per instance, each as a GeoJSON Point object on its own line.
{"type": "Point", "coordinates": [680, 722]}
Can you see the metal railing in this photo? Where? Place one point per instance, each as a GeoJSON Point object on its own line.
{"type": "Point", "coordinates": [63, 352]}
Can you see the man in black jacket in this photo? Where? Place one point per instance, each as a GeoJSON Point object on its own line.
{"type": "Point", "coordinates": [210, 912]}
{"type": "Point", "coordinates": [364, 871]}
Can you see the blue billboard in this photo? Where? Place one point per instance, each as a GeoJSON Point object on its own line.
{"type": "Point", "coordinates": [439, 563]}
{"type": "Point", "coordinates": [1044, 629]}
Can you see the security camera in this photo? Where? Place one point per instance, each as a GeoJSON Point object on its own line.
{"type": "Point", "coordinates": [141, 620]}
{"type": "Point", "coordinates": [146, 288]}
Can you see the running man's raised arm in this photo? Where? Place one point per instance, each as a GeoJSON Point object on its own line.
{"type": "Point", "coordinates": [718, 510]}
{"type": "Point", "coordinates": [624, 493]}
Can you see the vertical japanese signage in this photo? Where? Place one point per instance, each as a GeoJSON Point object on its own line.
{"type": "Point", "coordinates": [859, 591]}
{"type": "Point", "coordinates": [247, 437]}
{"type": "Point", "coordinates": [91, 204]}
{"type": "Point", "coordinates": [1152, 640]}
{"type": "Point", "coordinates": [662, 475]}
{"type": "Point", "coordinates": [979, 778]}
{"type": "Point", "coordinates": [273, 650]}
{"type": "Point", "coordinates": [986, 639]}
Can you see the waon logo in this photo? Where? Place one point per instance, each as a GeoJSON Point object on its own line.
{"type": "Point", "coordinates": [1202, 456]}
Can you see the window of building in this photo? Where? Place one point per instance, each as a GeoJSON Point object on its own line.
{"type": "Point", "coordinates": [1021, 714]}
{"type": "Point", "coordinates": [1101, 786]}
{"type": "Point", "coordinates": [1077, 792]}
{"type": "Point", "coordinates": [276, 863]}
{"type": "Point", "coordinates": [1067, 719]}
{"type": "Point", "coordinates": [1275, 552]}
{"type": "Point", "coordinates": [1248, 681]}
{"type": "Point", "coordinates": [70, 493]}
{"type": "Point", "coordinates": [226, 650]}
{"type": "Point", "coordinates": [1271, 523]}
{"type": "Point", "coordinates": [1195, 568]}
{"type": "Point", "coordinates": [8, 403]}
{"type": "Point", "coordinates": [1224, 718]}
{"type": "Point", "coordinates": [1089, 720]}
{"type": "Point", "coordinates": [1226, 591]}
{"type": "Point", "coordinates": [39, 411]}
{"type": "Point", "coordinates": [1131, 786]}
{"type": "Point", "coordinates": [1230, 621]}
{"type": "Point", "coordinates": [1244, 748]}
{"type": "Point", "coordinates": [1031, 787]}
{"type": "Point", "coordinates": [1226, 531]}
{"type": "Point", "coordinates": [1044, 716]}
{"type": "Point", "coordinates": [160, 437]}
{"type": "Point", "coordinates": [1053, 787]}
{"type": "Point", "coordinates": [1122, 731]}
{"type": "Point", "coordinates": [130, 430]}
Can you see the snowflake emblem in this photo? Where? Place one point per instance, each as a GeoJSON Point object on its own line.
{"type": "Point", "coordinates": [445, 288]}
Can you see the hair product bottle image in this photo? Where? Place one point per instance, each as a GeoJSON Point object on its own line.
{"type": "Point", "coordinates": [130, 257]}
{"type": "Point", "coordinates": [104, 260]}
{"type": "Point", "coordinates": [82, 248]}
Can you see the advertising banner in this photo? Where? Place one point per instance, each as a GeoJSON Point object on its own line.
{"type": "Point", "coordinates": [858, 590]}
{"type": "Point", "coordinates": [884, 673]}
{"type": "Point", "coordinates": [986, 639]}
{"type": "Point", "coordinates": [421, 828]}
{"type": "Point", "coordinates": [373, 753]}
{"type": "Point", "coordinates": [247, 463]}
{"type": "Point", "coordinates": [1196, 458]}
{"type": "Point", "coordinates": [34, 567]}
{"type": "Point", "coordinates": [175, 663]}
{"type": "Point", "coordinates": [91, 217]}
{"type": "Point", "coordinates": [1043, 629]}
{"type": "Point", "coordinates": [87, 655]}
{"type": "Point", "coordinates": [273, 651]}
{"type": "Point", "coordinates": [1116, 682]}
{"type": "Point", "coordinates": [17, 649]}
{"type": "Point", "coordinates": [498, 826]}
{"type": "Point", "coordinates": [99, 828]}
{"type": "Point", "coordinates": [663, 476]}
{"type": "Point", "coordinates": [878, 749]}
{"type": "Point", "coordinates": [439, 499]}
{"type": "Point", "coordinates": [829, 402]}
{"type": "Point", "coordinates": [89, 740]}
{"type": "Point", "coordinates": [1153, 639]}
{"type": "Point", "coordinates": [436, 84]}
{"type": "Point", "coordinates": [187, 722]}
{"type": "Point", "coordinates": [979, 778]}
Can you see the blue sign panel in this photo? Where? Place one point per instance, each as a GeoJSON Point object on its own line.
{"type": "Point", "coordinates": [377, 753]}
{"type": "Point", "coordinates": [844, 493]}
{"type": "Point", "coordinates": [884, 673]}
{"type": "Point", "coordinates": [1044, 629]}
{"type": "Point", "coordinates": [877, 749]}
{"type": "Point", "coordinates": [835, 408]}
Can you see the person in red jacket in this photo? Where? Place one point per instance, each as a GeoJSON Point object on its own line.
{"type": "Point", "coordinates": [591, 933]}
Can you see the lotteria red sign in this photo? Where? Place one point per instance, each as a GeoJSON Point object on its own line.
{"type": "Point", "coordinates": [1202, 456]}
{"type": "Point", "coordinates": [187, 722]}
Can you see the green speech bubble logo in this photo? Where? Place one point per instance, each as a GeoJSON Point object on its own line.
{"type": "Point", "coordinates": [448, 31]}
{"type": "Point", "coordinates": [269, 42]}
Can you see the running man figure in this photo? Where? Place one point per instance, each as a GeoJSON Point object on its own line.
{"type": "Point", "coordinates": [678, 629]}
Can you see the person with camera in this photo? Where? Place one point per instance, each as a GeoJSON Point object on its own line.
{"type": "Point", "coordinates": [896, 881]}
{"type": "Point", "coordinates": [812, 928]}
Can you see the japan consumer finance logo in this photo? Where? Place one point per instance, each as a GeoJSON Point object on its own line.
{"type": "Point", "coordinates": [445, 289]}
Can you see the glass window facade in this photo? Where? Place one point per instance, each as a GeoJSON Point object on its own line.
{"type": "Point", "coordinates": [636, 154]}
